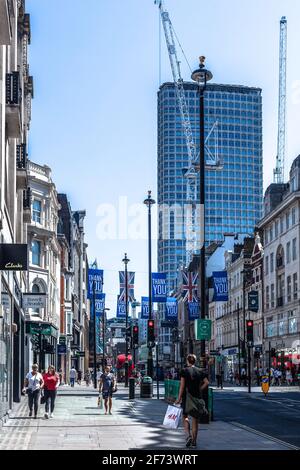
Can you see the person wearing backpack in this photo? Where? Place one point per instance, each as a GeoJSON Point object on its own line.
{"type": "Point", "coordinates": [192, 383]}
{"type": "Point", "coordinates": [107, 386]}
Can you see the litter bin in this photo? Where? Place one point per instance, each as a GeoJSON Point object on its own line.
{"type": "Point", "coordinates": [207, 396]}
{"type": "Point", "coordinates": [146, 387]}
{"type": "Point", "coordinates": [131, 388]}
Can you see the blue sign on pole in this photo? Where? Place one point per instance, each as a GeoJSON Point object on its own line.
{"type": "Point", "coordinates": [99, 304]}
{"type": "Point", "coordinates": [145, 308]}
{"type": "Point", "coordinates": [159, 287]}
{"type": "Point", "coordinates": [171, 311]}
{"type": "Point", "coordinates": [121, 309]}
{"type": "Point", "coordinates": [194, 310]}
{"type": "Point", "coordinates": [95, 276]}
{"type": "Point", "coordinates": [220, 286]}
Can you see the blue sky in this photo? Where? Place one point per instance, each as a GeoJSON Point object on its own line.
{"type": "Point", "coordinates": [96, 74]}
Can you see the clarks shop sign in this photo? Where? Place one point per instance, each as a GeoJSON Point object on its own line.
{"type": "Point", "coordinates": [13, 257]}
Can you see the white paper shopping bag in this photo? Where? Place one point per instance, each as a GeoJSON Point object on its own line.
{"type": "Point", "coordinates": [172, 417]}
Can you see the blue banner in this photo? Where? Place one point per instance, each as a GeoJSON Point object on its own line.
{"type": "Point", "coordinates": [121, 309]}
{"type": "Point", "coordinates": [159, 287]}
{"type": "Point", "coordinates": [194, 310]}
{"type": "Point", "coordinates": [171, 311]}
{"type": "Point", "coordinates": [100, 306]}
{"type": "Point", "coordinates": [145, 308]}
{"type": "Point", "coordinates": [95, 276]}
{"type": "Point", "coordinates": [220, 286]}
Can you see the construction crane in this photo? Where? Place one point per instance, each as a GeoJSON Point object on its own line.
{"type": "Point", "coordinates": [281, 139]}
{"type": "Point", "coordinates": [212, 161]}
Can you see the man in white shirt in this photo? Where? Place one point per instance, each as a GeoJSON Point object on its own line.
{"type": "Point", "coordinates": [73, 375]}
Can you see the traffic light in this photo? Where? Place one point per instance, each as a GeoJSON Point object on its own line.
{"type": "Point", "coordinates": [250, 331]}
{"type": "Point", "coordinates": [135, 335]}
{"type": "Point", "coordinates": [273, 352]}
{"type": "Point", "coordinates": [150, 330]}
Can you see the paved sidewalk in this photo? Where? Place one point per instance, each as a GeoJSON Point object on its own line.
{"type": "Point", "coordinates": [135, 424]}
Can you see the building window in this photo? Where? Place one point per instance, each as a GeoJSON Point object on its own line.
{"type": "Point", "coordinates": [69, 323]}
{"type": "Point", "coordinates": [267, 265]}
{"type": "Point", "coordinates": [295, 286]}
{"type": "Point", "coordinates": [36, 252]}
{"type": "Point", "coordinates": [267, 297]}
{"type": "Point", "coordinates": [271, 262]}
{"type": "Point", "coordinates": [293, 215]}
{"type": "Point", "coordinates": [294, 249]}
{"type": "Point", "coordinates": [287, 220]}
{"type": "Point", "coordinates": [289, 288]}
{"type": "Point", "coordinates": [271, 233]}
{"type": "Point", "coordinates": [281, 224]}
{"type": "Point", "coordinates": [276, 228]}
{"type": "Point", "coordinates": [282, 327]}
{"type": "Point", "coordinates": [292, 324]}
{"type": "Point", "coordinates": [35, 290]}
{"type": "Point", "coordinates": [270, 330]}
{"type": "Point", "coordinates": [288, 252]}
{"type": "Point", "coordinates": [36, 211]}
{"type": "Point", "coordinates": [280, 257]}
{"type": "Point", "coordinates": [272, 295]}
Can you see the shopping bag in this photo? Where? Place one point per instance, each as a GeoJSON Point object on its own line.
{"type": "Point", "coordinates": [100, 402]}
{"type": "Point", "coordinates": [172, 417]}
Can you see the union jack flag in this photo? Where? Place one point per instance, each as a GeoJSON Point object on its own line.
{"type": "Point", "coordinates": [189, 286]}
{"type": "Point", "coordinates": [130, 286]}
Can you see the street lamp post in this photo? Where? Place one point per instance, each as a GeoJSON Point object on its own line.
{"type": "Point", "coordinates": [125, 260]}
{"type": "Point", "coordinates": [95, 345]}
{"type": "Point", "coordinates": [149, 203]}
{"type": "Point", "coordinates": [103, 338]}
{"type": "Point", "coordinates": [239, 340]}
{"type": "Point", "coordinates": [202, 76]}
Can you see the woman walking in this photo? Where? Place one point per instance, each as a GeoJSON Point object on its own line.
{"type": "Point", "coordinates": [192, 381]}
{"type": "Point", "coordinates": [32, 385]}
{"type": "Point", "coordinates": [51, 383]}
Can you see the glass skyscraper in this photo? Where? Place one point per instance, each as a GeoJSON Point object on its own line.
{"type": "Point", "coordinates": [234, 191]}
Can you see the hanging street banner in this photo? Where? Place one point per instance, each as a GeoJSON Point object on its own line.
{"type": "Point", "coordinates": [130, 286]}
{"type": "Point", "coordinates": [13, 257]}
{"type": "Point", "coordinates": [34, 300]}
{"type": "Point", "coordinates": [220, 286]}
{"type": "Point", "coordinates": [194, 310]}
{"type": "Point", "coordinates": [171, 311]}
{"type": "Point", "coordinates": [145, 308]}
{"type": "Point", "coordinates": [253, 301]}
{"type": "Point", "coordinates": [189, 286]}
{"type": "Point", "coordinates": [159, 287]}
{"type": "Point", "coordinates": [203, 329]}
{"type": "Point", "coordinates": [121, 308]}
{"type": "Point", "coordinates": [95, 276]}
{"type": "Point", "coordinates": [100, 306]}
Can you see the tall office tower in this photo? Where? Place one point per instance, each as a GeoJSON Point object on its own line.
{"type": "Point", "coordinates": [233, 128]}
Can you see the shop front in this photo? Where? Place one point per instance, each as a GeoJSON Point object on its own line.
{"type": "Point", "coordinates": [41, 344]}
{"type": "Point", "coordinates": [5, 350]}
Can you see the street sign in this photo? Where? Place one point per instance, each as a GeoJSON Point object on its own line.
{"type": "Point", "coordinates": [61, 349]}
{"type": "Point", "coordinates": [34, 300]}
{"type": "Point", "coordinates": [80, 353]}
{"type": "Point", "coordinates": [62, 339]}
{"type": "Point", "coordinates": [202, 329]}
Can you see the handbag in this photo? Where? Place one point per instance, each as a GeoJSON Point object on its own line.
{"type": "Point", "coordinates": [172, 417]}
{"type": "Point", "coordinates": [194, 406]}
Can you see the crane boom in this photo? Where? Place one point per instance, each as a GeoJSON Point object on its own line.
{"type": "Point", "coordinates": [281, 137]}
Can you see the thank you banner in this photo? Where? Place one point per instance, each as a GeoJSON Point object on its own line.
{"type": "Point", "coordinates": [99, 305]}
{"type": "Point", "coordinates": [95, 277]}
{"type": "Point", "coordinates": [171, 311]}
{"type": "Point", "coordinates": [220, 286]}
{"type": "Point", "coordinates": [121, 309]}
{"type": "Point", "coordinates": [194, 310]}
{"type": "Point", "coordinates": [145, 308]}
{"type": "Point", "coordinates": [159, 287]}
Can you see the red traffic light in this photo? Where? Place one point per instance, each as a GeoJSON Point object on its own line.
{"type": "Point", "coordinates": [250, 323]}
{"type": "Point", "coordinates": [150, 323]}
{"type": "Point", "coordinates": [135, 329]}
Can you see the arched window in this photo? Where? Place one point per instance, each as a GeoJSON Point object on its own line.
{"type": "Point", "coordinates": [36, 290]}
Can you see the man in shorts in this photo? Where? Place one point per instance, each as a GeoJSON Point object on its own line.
{"type": "Point", "coordinates": [107, 385]}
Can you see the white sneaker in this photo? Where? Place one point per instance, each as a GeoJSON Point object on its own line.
{"type": "Point", "coordinates": [46, 416]}
{"type": "Point", "coordinates": [51, 415]}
